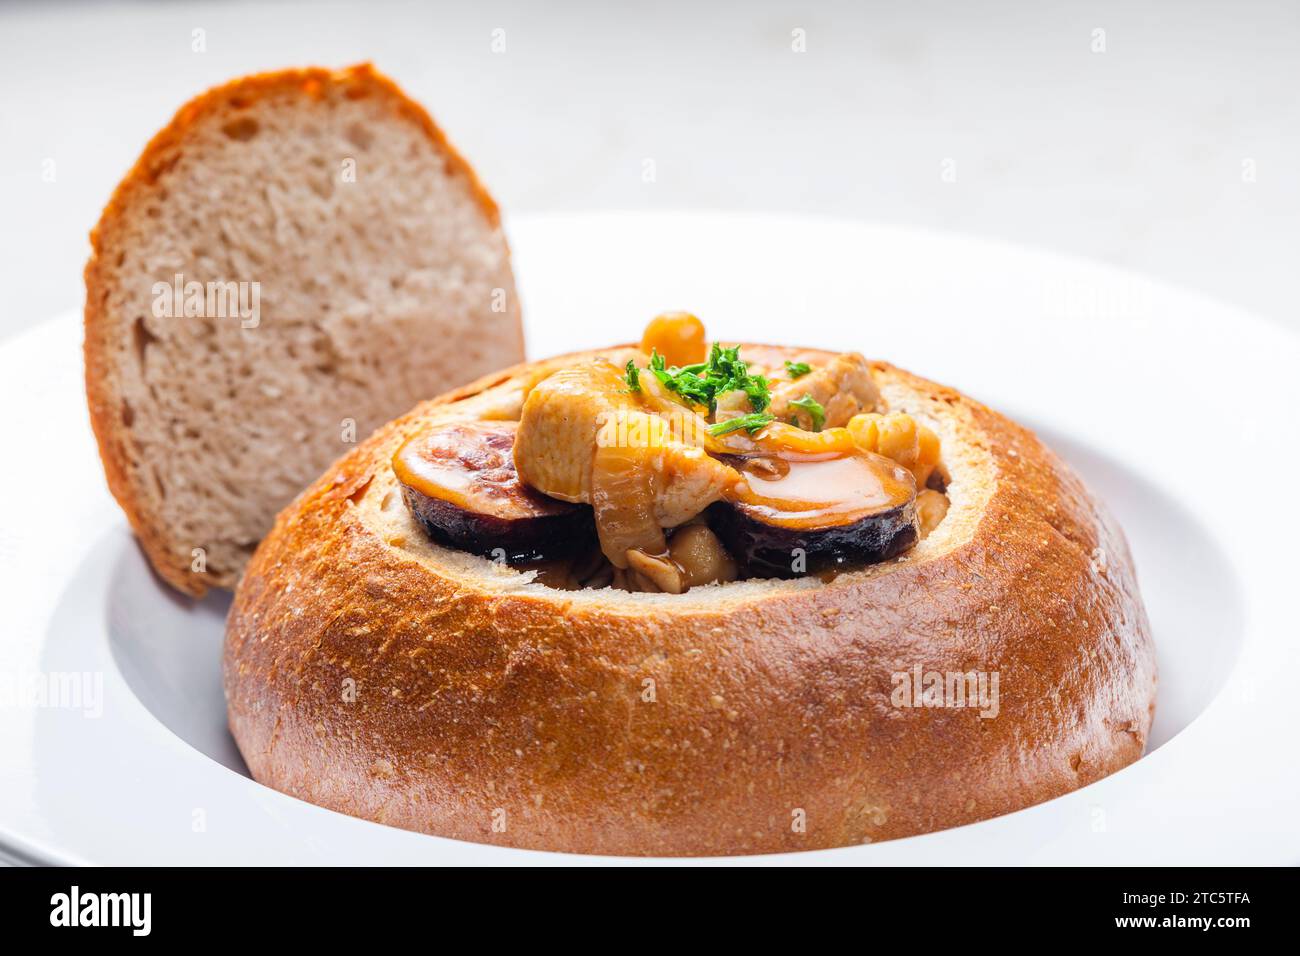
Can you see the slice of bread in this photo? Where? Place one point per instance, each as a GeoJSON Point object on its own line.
{"type": "Point", "coordinates": [348, 263]}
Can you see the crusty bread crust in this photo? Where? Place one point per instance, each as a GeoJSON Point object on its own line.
{"type": "Point", "coordinates": [372, 672]}
{"type": "Point", "coordinates": [158, 157]}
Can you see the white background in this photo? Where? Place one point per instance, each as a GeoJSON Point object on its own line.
{"type": "Point", "coordinates": [1133, 156]}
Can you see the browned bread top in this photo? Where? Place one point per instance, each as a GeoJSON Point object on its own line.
{"type": "Point", "coordinates": [348, 263]}
{"type": "Point", "coordinates": [376, 673]}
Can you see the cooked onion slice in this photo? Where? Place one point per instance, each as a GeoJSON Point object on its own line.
{"type": "Point", "coordinates": [623, 498]}
{"type": "Point", "coordinates": [585, 437]}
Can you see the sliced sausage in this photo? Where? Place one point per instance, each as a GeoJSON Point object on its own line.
{"type": "Point", "coordinates": [768, 550]}
{"type": "Point", "coordinates": [459, 482]}
{"type": "Point", "coordinates": [805, 516]}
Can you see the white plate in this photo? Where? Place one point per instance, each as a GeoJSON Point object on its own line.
{"type": "Point", "coordinates": [1178, 410]}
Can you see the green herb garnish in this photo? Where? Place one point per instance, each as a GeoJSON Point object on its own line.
{"type": "Point", "coordinates": [633, 376]}
{"type": "Point", "coordinates": [702, 383]}
{"type": "Point", "coordinates": [814, 410]}
{"type": "Point", "coordinates": [750, 423]}
{"type": "Point", "coordinates": [760, 396]}
{"type": "Point", "coordinates": [797, 369]}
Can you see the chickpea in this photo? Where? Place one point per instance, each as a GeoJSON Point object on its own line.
{"type": "Point", "coordinates": [677, 336]}
{"type": "Point", "coordinates": [931, 509]}
{"type": "Point", "coordinates": [864, 428]}
{"type": "Point", "coordinates": [701, 555]}
{"type": "Point", "coordinates": [899, 437]}
{"type": "Point", "coordinates": [928, 459]}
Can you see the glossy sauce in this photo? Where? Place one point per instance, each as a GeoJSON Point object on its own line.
{"type": "Point", "coordinates": [807, 492]}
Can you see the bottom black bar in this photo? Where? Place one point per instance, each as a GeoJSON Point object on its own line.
{"type": "Point", "coordinates": [334, 905]}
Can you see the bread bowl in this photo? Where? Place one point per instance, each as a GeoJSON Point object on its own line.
{"type": "Point", "coordinates": [282, 239]}
{"type": "Point", "coordinates": [428, 684]}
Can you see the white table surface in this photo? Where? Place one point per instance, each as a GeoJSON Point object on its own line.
{"type": "Point", "coordinates": [1133, 156]}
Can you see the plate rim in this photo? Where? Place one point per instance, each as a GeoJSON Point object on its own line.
{"type": "Point", "coordinates": [25, 847]}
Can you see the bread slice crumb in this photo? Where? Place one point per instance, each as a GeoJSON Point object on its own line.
{"type": "Point", "coordinates": [348, 263]}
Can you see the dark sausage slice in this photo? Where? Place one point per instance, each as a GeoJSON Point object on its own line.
{"type": "Point", "coordinates": [459, 481]}
{"type": "Point", "coordinates": [768, 550]}
{"type": "Point", "coordinates": [868, 515]}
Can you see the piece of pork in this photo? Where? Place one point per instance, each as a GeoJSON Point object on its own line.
{"type": "Point", "coordinates": [843, 387]}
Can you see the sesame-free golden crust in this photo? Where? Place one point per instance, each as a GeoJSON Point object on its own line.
{"type": "Point", "coordinates": [743, 720]}
{"type": "Point", "coordinates": [158, 157]}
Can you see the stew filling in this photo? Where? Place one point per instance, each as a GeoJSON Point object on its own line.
{"type": "Point", "coordinates": [687, 466]}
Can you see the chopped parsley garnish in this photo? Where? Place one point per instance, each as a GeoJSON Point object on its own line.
{"type": "Point", "coordinates": [814, 410]}
{"type": "Point", "coordinates": [750, 423]}
{"type": "Point", "coordinates": [633, 377]}
{"type": "Point", "coordinates": [702, 383]}
{"type": "Point", "coordinates": [797, 369]}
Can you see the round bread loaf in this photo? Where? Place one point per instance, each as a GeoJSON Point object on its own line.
{"type": "Point", "coordinates": [294, 260]}
{"type": "Point", "coordinates": [374, 672]}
